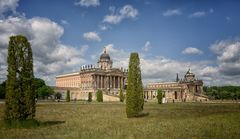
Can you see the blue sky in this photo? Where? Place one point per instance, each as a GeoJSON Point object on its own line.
{"type": "Point", "coordinates": [170, 36]}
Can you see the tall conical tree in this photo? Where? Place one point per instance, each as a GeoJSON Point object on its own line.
{"type": "Point", "coordinates": [68, 96]}
{"type": "Point", "coordinates": [134, 100]}
{"type": "Point", "coordinates": [20, 95]}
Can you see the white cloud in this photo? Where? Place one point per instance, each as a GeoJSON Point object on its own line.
{"type": "Point", "coordinates": [201, 13]}
{"type": "Point", "coordinates": [172, 12]}
{"type": "Point", "coordinates": [192, 50]}
{"type": "Point", "coordinates": [162, 69]}
{"type": "Point", "coordinates": [228, 56]}
{"type": "Point", "coordinates": [88, 3]}
{"type": "Point", "coordinates": [103, 27]}
{"type": "Point", "coordinates": [146, 46]}
{"type": "Point", "coordinates": [92, 36]}
{"type": "Point", "coordinates": [64, 22]}
{"type": "Point", "coordinates": [126, 12]}
{"type": "Point", "coordinates": [8, 5]}
{"type": "Point", "coordinates": [197, 14]}
{"type": "Point", "coordinates": [49, 54]}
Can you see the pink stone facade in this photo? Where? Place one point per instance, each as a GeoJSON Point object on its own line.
{"type": "Point", "coordinates": [91, 78]}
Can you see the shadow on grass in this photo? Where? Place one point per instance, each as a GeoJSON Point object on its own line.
{"type": "Point", "coordinates": [142, 114]}
{"type": "Point", "coordinates": [32, 123]}
{"type": "Point", "coordinates": [50, 123]}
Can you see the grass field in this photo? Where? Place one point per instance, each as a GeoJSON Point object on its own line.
{"type": "Point", "coordinates": [108, 120]}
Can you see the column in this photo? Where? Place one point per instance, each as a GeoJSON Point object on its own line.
{"type": "Point", "coordinates": [114, 82]}
{"type": "Point", "coordinates": [101, 81]}
{"type": "Point", "coordinates": [96, 81]}
{"type": "Point", "coordinates": [110, 82]}
{"type": "Point", "coordinates": [122, 82]}
{"type": "Point", "coordinates": [151, 94]}
{"type": "Point", "coordinates": [118, 82]}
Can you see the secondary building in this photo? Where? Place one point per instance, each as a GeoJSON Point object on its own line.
{"type": "Point", "coordinates": [187, 89]}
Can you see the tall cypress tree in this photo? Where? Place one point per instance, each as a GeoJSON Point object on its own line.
{"type": "Point", "coordinates": [20, 95]}
{"type": "Point", "coordinates": [68, 96]}
{"type": "Point", "coordinates": [134, 100]}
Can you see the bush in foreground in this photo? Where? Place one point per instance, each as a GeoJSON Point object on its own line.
{"type": "Point", "coordinates": [20, 95]}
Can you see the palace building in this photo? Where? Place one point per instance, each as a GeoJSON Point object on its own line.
{"type": "Point", "coordinates": [187, 89]}
{"type": "Point", "coordinates": [91, 78]}
{"type": "Point", "coordinates": [103, 76]}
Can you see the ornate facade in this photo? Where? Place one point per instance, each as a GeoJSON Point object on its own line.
{"type": "Point", "coordinates": [188, 89]}
{"type": "Point", "coordinates": [90, 78]}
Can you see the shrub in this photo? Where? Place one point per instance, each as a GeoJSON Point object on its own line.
{"type": "Point", "coordinates": [159, 96]}
{"type": "Point", "coordinates": [99, 96]}
{"type": "Point", "coordinates": [90, 97]}
{"type": "Point", "coordinates": [121, 96]}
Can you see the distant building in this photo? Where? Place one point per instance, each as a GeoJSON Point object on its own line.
{"type": "Point", "coordinates": [90, 78]}
{"type": "Point", "coordinates": [188, 89]}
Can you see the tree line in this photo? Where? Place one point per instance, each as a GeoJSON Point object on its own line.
{"type": "Point", "coordinates": [42, 91]}
{"type": "Point", "coordinates": [222, 92]}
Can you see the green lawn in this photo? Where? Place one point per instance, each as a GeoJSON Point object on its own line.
{"type": "Point", "coordinates": [108, 120]}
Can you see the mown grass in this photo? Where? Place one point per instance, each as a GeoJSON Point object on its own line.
{"type": "Point", "coordinates": [108, 120]}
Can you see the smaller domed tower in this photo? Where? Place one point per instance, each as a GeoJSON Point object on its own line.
{"type": "Point", "coordinates": [189, 76]}
{"type": "Point", "coordinates": [105, 62]}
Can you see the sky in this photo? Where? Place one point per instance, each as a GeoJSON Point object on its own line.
{"type": "Point", "coordinates": [170, 36]}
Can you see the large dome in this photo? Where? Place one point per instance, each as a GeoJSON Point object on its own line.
{"type": "Point", "coordinates": [105, 55]}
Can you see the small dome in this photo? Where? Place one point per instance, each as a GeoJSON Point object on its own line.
{"type": "Point", "coordinates": [105, 56]}
{"type": "Point", "coordinates": [189, 72]}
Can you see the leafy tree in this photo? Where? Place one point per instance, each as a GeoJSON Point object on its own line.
{"type": "Point", "coordinates": [121, 95]}
{"type": "Point", "coordinates": [222, 92]}
{"type": "Point", "coordinates": [90, 97]}
{"type": "Point", "coordinates": [134, 97]}
{"type": "Point", "coordinates": [20, 96]}
{"type": "Point", "coordinates": [2, 90]}
{"type": "Point", "coordinates": [68, 96]}
{"type": "Point", "coordinates": [38, 83]}
{"type": "Point", "coordinates": [58, 95]}
{"type": "Point", "coordinates": [45, 91]}
{"type": "Point", "coordinates": [159, 96]}
{"type": "Point", "coordinates": [99, 96]}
